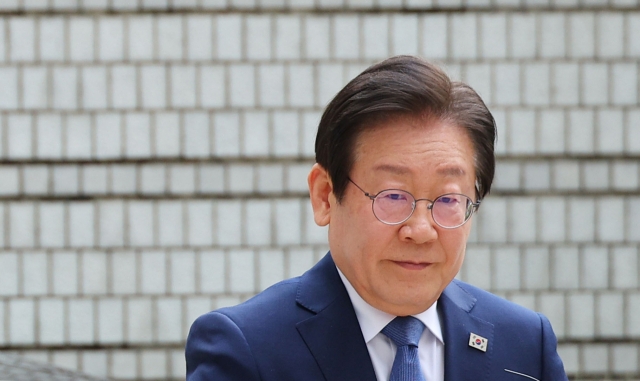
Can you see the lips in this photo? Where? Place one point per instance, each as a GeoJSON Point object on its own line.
{"type": "Point", "coordinates": [413, 265]}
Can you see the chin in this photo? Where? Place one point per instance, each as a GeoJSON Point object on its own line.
{"type": "Point", "coordinates": [414, 303]}
{"type": "Point", "coordinates": [405, 310]}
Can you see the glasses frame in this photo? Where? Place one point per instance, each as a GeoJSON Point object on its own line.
{"type": "Point", "coordinates": [372, 197]}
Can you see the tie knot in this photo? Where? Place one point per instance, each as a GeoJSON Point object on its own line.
{"type": "Point", "coordinates": [404, 330]}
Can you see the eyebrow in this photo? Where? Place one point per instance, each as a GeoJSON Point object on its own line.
{"type": "Point", "coordinates": [395, 169]}
{"type": "Point", "coordinates": [449, 170]}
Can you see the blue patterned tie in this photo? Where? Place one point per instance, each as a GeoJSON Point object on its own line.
{"type": "Point", "coordinates": [405, 332]}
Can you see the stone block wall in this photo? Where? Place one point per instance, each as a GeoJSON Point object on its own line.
{"type": "Point", "coordinates": [154, 160]}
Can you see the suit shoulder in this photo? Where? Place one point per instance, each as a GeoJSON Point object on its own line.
{"type": "Point", "coordinates": [275, 301]}
{"type": "Point", "coordinates": [495, 308]}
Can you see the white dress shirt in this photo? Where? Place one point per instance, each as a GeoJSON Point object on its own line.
{"type": "Point", "coordinates": [383, 351]}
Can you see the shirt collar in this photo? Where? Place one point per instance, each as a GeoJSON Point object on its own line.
{"type": "Point", "coordinates": [372, 320]}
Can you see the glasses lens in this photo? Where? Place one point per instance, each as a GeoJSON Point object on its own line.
{"type": "Point", "coordinates": [452, 210]}
{"type": "Point", "coordinates": [393, 206]}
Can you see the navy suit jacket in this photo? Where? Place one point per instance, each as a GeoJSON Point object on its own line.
{"type": "Point", "coordinates": [305, 329]}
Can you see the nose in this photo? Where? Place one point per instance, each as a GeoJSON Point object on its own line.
{"type": "Point", "coordinates": [420, 227]}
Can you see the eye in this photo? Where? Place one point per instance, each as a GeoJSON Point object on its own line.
{"type": "Point", "coordinates": [394, 196]}
{"type": "Point", "coordinates": [448, 200]}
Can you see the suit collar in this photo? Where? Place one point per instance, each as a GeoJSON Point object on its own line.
{"type": "Point", "coordinates": [320, 286]}
{"type": "Point", "coordinates": [462, 362]}
{"type": "Point", "coordinates": [332, 334]}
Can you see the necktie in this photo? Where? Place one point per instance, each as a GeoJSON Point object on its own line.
{"type": "Point", "coordinates": [405, 332]}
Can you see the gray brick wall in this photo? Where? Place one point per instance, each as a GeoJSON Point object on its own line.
{"type": "Point", "coordinates": [154, 160]}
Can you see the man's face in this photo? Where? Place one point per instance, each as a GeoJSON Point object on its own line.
{"type": "Point", "coordinates": [400, 269]}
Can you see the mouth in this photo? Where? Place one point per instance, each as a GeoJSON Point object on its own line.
{"type": "Point", "coordinates": [413, 265]}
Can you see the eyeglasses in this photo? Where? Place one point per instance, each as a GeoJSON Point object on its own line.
{"type": "Point", "coordinates": [395, 206]}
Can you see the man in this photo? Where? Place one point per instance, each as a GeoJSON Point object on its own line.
{"type": "Point", "coordinates": [404, 158]}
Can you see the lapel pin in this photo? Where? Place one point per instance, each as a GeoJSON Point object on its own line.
{"type": "Point", "coordinates": [478, 342]}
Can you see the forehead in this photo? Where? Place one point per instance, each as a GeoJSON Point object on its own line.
{"type": "Point", "coordinates": [397, 145]}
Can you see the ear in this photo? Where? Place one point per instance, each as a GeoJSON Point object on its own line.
{"type": "Point", "coordinates": [320, 190]}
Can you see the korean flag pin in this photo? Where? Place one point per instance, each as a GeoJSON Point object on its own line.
{"type": "Point", "coordinates": [478, 342]}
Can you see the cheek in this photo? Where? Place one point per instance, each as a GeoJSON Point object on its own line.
{"type": "Point", "coordinates": [363, 227]}
{"type": "Point", "coordinates": [371, 240]}
{"type": "Point", "coordinates": [350, 229]}
{"type": "Point", "coordinates": [369, 245]}
{"type": "Point", "coordinates": [455, 246]}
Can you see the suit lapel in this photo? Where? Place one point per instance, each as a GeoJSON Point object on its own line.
{"type": "Point", "coordinates": [333, 334]}
{"type": "Point", "coordinates": [462, 362]}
